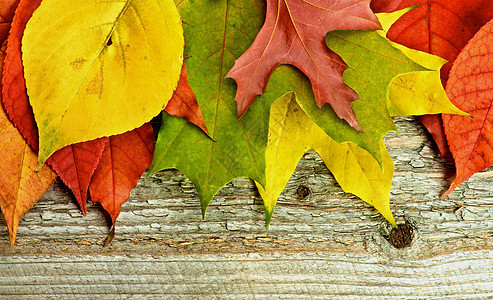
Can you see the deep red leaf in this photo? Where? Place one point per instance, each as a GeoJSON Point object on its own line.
{"type": "Point", "coordinates": [183, 103]}
{"type": "Point", "coordinates": [15, 101]}
{"type": "Point", "coordinates": [434, 125]}
{"type": "Point", "coordinates": [470, 88]}
{"type": "Point", "coordinates": [123, 162]}
{"type": "Point", "coordinates": [76, 163]}
{"type": "Point", "coordinates": [294, 33]}
{"type": "Point", "coordinates": [439, 27]}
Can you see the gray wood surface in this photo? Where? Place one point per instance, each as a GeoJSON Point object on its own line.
{"type": "Point", "coordinates": [326, 245]}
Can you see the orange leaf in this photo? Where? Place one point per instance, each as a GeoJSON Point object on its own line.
{"type": "Point", "coordinates": [470, 88]}
{"type": "Point", "coordinates": [21, 186]}
{"type": "Point", "coordinates": [183, 103]}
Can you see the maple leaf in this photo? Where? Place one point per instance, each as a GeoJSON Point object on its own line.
{"type": "Point", "coordinates": [123, 162]}
{"type": "Point", "coordinates": [440, 27]}
{"type": "Point", "coordinates": [294, 33]}
{"type": "Point", "coordinates": [111, 71]}
{"type": "Point", "coordinates": [237, 146]}
{"type": "Point", "coordinates": [292, 133]}
{"type": "Point", "coordinates": [470, 87]}
{"type": "Point", "coordinates": [21, 185]}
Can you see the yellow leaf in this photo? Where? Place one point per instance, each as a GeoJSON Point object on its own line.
{"type": "Point", "coordinates": [416, 93]}
{"type": "Point", "coordinates": [292, 133]}
{"type": "Point", "coordinates": [95, 68]}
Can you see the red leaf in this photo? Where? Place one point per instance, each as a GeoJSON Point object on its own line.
{"type": "Point", "coordinates": [7, 9]}
{"type": "Point", "coordinates": [439, 27]}
{"type": "Point", "coordinates": [14, 94]}
{"type": "Point", "coordinates": [76, 163]}
{"type": "Point", "coordinates": [434, 125]}
{"type": "Point", "coordinates": [124, 160]}
{"type": "Point", "coordinates": [470, 88]}
{"type": "Point", "coordinates": [183, 103]}
{"type": "Point", "coordinates": [294, 33]}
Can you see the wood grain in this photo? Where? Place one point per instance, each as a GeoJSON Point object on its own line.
{"type": "Point", "coordinates": [326, 245]}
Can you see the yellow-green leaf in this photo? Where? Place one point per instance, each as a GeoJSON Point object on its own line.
{"type": "Point", "coordinates": [95, 68]}
{"type": "Point", "coordinates": [416, 93]}
{"type": "Point", "coordinates": [292, 133]}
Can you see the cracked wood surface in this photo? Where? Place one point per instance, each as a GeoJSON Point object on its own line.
{"type": "Point", "coordinates": [321, 244]}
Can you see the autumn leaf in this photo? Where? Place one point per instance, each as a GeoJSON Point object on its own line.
{"type": "Point", "coordinates": [237, 146]}
{"type": "Point", "coordinates": [110, 72]}
{"type": "Point", "coordinates": [294, 33]}
{"type": "Point", "coordinates": [440, 27]}
{"type": "Point", "coordinates": [292, 133]}
{"type": "Point", "coordinates": [470, 87]}
{"type": "Point", "coordinates": [183, 103]}
{"type": "Point", "coordinates": [421, 92]}
{"type": "Point", "coordinates": [21, 185]}
{"type": "Point", "coordinates": [76, 163]}
{"type": "Point", "coordinates": [123, 162]}
{"type": "Point", "coordinates": [7, 9]}
{"type": "Point", "coordinates": [14, 96]}
{"type": "Point", "coordinates": [373, 64]}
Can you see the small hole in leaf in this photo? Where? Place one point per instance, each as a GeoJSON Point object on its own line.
{"type": "Point", "coordinates": [110, 42]}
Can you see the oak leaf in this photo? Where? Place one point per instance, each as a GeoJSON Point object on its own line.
{"type": "Point", "coordinates": [440, 27]}
{"type": "Point", "coordinates": [293, 33]}
{"type": "Point", "coordinates": [21, 185]}
{"type": "Point", "coordinates": [470, 87]}
{"type": "Point", "coordinates": [108, 73]}
{"type": "Point", "coordinates": [292, 133]}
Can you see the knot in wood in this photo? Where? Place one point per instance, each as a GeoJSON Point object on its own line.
{"type": "Point", "coordinates": [303, 191]}
{"type": "Point", "coordinates": [402, 236]}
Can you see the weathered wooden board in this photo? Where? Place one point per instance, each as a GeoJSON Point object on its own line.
{"type": "Point", "coordinates": [321, 245]}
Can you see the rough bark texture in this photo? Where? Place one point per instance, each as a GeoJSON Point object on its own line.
{"type": "Point", "coordinates": [322, 243]}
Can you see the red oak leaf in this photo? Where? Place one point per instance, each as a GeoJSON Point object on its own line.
{"type": "Point", "coordinates": [76, 163]}
{"type": "Point", "coordinates": [183, 103]}
{"type": "Point", "coordinates": [470, 88]}
{"type": "Point", "coordinates": [294, 33]}
{"type": "Point", "coordinates": [124, 160]}
{"type": "Point", "coordinates": [439, 27]}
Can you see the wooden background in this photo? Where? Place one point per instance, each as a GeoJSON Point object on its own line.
{"type": "Point", "coordinates": [322, 243]}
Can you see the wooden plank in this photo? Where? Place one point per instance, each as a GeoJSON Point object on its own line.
{"type": "Point", "coordinates": [327, 244]}
{"type": "Point", "coordinates": [248, 276]}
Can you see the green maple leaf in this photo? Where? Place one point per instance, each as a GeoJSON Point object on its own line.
{"type": "Point", "coordinates": [216, 33]}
